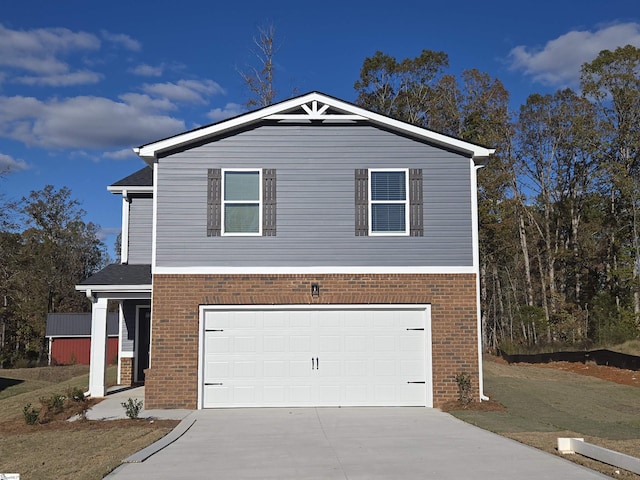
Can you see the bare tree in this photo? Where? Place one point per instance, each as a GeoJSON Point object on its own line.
{"type": "Point", "coordinates": [260, 79]}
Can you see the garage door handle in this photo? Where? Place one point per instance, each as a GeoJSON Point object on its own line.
{"type": "Point", "coordinates": [317, 363]}
{"type": "Point", "coordinates": [313, 364]}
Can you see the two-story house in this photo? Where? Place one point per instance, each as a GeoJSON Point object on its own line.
{"type": "Point", "coordinates": [310, 253]}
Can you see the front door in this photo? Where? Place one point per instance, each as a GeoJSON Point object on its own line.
{"type": "Point", "coordinates": [142, 348]}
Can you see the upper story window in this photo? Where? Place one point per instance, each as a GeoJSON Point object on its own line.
{"type": "Point", "coordinates": [389, 202]}
{"type": "Point", "coordinates": [242, 202]}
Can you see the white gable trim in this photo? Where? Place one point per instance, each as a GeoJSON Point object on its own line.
{"type": "Point", "coordinates": [315, 105]}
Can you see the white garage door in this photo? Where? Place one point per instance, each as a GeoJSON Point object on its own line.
{"type": "Point", "coordinates": [324, 357]}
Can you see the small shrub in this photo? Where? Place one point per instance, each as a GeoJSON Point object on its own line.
{"type": "Point", "coordinates": [76, 394]}
{"type": "Point", "coordinates": [51, 406]}
{"type": "Point", "coordinates": [132, 407]}
{"type": "Point", "coordinates": [77, 402]}
{"type": "Point", "coordinates": [30, 414]}
{"type": "Point", "coordinates": [464, 388]}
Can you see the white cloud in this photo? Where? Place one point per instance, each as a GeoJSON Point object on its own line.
{"type": "Point", "coordinates": [147, 103]}
{"type": "Point", "coordinates": [145, 70]}
{"type": "Point", "coordinates": [229, 110]}
{"type": "Point", "coordinates": [188, 91]}
{"type": "Point", "coordinates": [105, 232]}
{"type": "Point", "coordinates": [9, 164]}
{"type": "Point", "coordinates": [36, 50]}
{"type": "Point", "coordinates": [558, 63]}
{"type": "Point", "coordinates": [83, 77]}
{"type": "Point", "coordinates": [122, 40]}
{"type": "Point", "coordinates": [82, 122]}
{"type": "Point", "coordinates": [120, 154]}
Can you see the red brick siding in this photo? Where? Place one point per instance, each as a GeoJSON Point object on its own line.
{"type": "Point", "coordinates": [172, 380]}
{"type": "Point", "coordinates": [126, 371]}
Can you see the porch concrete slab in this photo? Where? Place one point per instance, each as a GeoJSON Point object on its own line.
{"type": "Point", "coordinates": [345, 443]}
{"type": "Point", "coordinates": [110, 408]}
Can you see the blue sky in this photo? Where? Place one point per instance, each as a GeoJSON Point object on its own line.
{"type": "Point", "coordinates": [82, 82]}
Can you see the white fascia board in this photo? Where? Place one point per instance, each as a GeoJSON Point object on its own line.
{"type": "Point", "coordinates": [150, 152]}
{"type": "Point", "coordinates": [130, 189]}
{"type": "Point", "coordinates": [311, 270]}
{"type": "Point", "coordinates": [115, 288]}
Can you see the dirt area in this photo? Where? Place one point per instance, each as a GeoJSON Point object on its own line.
{"type": "Point", "coordinates": [611, 374]}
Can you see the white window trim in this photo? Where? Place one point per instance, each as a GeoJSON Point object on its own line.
{"type": "Point", "coordinates": [404, 202]}
{"type": "Point", "coordinates": [224, 203]}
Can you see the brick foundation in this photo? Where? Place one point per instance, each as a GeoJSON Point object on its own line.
{"type": "Point", "coordinates": [126, 371]}
{"type": "Point", "coordinates": [172, 380]}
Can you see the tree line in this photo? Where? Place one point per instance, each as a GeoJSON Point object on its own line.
{"type": "Point", "coordinates": [46, 248]}
{"type": "Point", "coordinates": [559, 202]}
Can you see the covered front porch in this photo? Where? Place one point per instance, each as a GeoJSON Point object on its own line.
{"type": "Point", "coordinates": [127, 288]}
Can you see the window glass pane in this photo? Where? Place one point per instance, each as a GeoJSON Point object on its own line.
{"type": "Point", "coordinates": [388, 218]}
{"type": "Point", "coordinates": [241, 218]}
{"type": "Point", "coordinates": [242, 186]}
{"type": "Point", "coordinates": [388, 186]}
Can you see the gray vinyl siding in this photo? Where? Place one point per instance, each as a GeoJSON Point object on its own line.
{"type": "Point", "coordinates": [315, 207]}
{"type": "Point", "coordinates": [129, 327]}
{"type": "Point", "coordinates": [140, 229]}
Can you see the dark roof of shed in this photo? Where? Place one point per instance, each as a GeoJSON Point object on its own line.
{"type": "Point", "coordinates": [77, 324]}
{"type": "Point", "coordinates": [121, 274]}
{"type": "Point", "coordinates": [141, 178]}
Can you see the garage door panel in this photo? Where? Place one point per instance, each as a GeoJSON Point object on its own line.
{"type": "Point", "coordinates": [356, 368]}
{"type": "Point", "coordinates": [244, 344]}
{"type": "Point", "coordinates": [274, 343]}
{"type": "Point", "coordinates": [385, 343]}
{"type": "Point", "coordinates": [412, 343]}
{"type": "Point", "coordinates": [330, 343]}
{"type": "Point", "coordinates": [217, 369]}
{"type": "Point", "coordinates": [300, 368]}
{"type": "Point", "coordinates": [218, 344]}
{"type": "Point", "coordinates": [275, 369]}
{"type": "Point", "coordinates": [300, 343]}
{"type": "Point", "coordinates": [412, 368]}
{"type": "Point", "coordinates": [355, 343]}
{"type": "Point", "coordinates": [384, 368]}
{"type": "Point", "coordinates": [264, 358]}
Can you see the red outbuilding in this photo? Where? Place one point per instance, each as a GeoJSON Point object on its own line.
{"type": "Point", "coordinates": [69, 336]}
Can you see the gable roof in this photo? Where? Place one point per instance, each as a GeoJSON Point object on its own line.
{"type": "Point", "coordinates": [77, 324]}
{"type": "Point", "coordinates": [313, 106]}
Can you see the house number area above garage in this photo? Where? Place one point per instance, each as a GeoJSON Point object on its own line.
{"type": "Point", "coordinates": [316, 357]}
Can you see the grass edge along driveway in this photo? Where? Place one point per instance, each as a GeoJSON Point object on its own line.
{"type": "Point", "coordinates": [543, 404]}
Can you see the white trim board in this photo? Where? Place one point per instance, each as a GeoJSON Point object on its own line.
{"type": "Point", "coordinates": [311, 270]}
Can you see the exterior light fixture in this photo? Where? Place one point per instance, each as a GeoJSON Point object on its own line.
{"type": "Point", "coordinates": [315, 290]}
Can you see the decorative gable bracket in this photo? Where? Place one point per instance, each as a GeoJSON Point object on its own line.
{"type": "Point", "coordinates": [314, 111]}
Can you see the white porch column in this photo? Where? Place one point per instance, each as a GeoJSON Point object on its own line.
{"type": "Point", "coordinates": [97, 368]}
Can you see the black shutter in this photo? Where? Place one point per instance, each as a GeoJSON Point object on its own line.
{"type": "Point", "coordinates": [269, 202]}
{"type": "Point", "coordinates": [214, 202]}
{"type": "Point", "coordinates": [415, 203]}
{"type": "Point", "coordinates": [362, 202]}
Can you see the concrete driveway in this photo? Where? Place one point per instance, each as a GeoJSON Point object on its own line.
{"type": "Point", "coordinates": [344, 443]}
